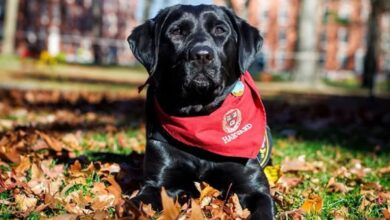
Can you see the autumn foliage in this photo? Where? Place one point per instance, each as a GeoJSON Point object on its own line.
{"type": "Point", "coordinates": [65, 155]}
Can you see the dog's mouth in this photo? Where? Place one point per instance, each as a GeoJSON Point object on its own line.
{"type": "Point", "coordinates": [201, 80]}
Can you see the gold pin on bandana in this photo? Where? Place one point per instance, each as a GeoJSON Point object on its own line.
{"type": "Point", "coordinates": [238, 89]}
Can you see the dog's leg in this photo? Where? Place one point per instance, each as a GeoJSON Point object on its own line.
{"type": "Point", "coordinates": [148, 194]}
{"type": "Point", "coordinates": [248, 182]}
{"type": "Point", "coordinates": [167, 167]}
{"type": "Point", "coordinates": [259, 203]}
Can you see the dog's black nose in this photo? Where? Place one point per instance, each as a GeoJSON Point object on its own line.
{"type": "Point", "coordinates": [201, 55]}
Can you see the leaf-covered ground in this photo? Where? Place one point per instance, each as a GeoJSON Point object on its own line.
{"type": "Point", "coordinates": [69, 154]}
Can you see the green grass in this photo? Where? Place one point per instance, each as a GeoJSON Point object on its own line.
{"type": "Point", "coordinates": [325, 152]}
{"type": "Point", "coordinates": [5, 210]}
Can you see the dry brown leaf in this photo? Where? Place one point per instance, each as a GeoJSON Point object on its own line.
{"type": "Point", "coordinates": [196, 211]}
{"type": "Point", "coordinates": [358, 169]}
{"type": "Point", "coordinates": [75, 169]}
{"type": "Point", "coordinates": [208, 191]}
{"type": "Point", "coordinates": [296, 214]}
{"type": "Point", "coordinates": [241, 213]}
{"type": "Point", "coordinates": [170, 210]}
{"type": "Point", "coordinates": [53, 143]}
{"type": "Point", "coordinates": [312, 205]}
{"type": "Point", "coordinates": [288, 182]}
{"type": "Point", "coordinates": [24, 203]}
{"type": "Point", "coordinates": [371, 185]}
{"type": "Point", "coordinates": [50, 170]}
{"type": "Point", "coordinates": [64, 217]}
{"type": "Point", "coordinates": [364, 204]}
{"type": "Point", "coordinates": [384, 196]}
{"type": "Point", "coordinates": [340, 213]}
{"type": "Point", "coordinates": [102, 201]}
{"type": "Point", "coordinates": [298, 164]}
{"type": "Point", "coordinates": [334, 186]}
{"type": "Point", "coordinates": [386, 214]}
{"type": "Point", "coordinates": [23, 166]}
{"type": "Point", "coordinates": [343, 172]}
{"type": "Point", "coordinates": [72, 141]}
{"type": "Point", "coordinates": [10, 153]}
{"type": "Point", "coordinates": [384, 170]}
{"type": "Point", "coordinates": [39, 145]}
{"type": "Point", "coordinates": [115, 189]}
{"type": "Point", "coordinates": [75, 209]}
{"type": "Point", "coordinates": [148, 210]}
{"type": "Point", "coordinates": [110, 168]}
{"type": "Point", "coordinates": [36, 172]}
{"type": "Point", "coordinates": [38, 186]}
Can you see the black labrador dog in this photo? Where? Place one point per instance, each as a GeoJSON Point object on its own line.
{"type": "Point", "coordinates": [195, 55]}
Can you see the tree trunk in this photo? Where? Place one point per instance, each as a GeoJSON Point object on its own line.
{"type": "Point", "coordinates": [373, 39]}
{"type": "Point", "coordinates": [97, 32]}
{"type": "Point", "coordinates": [306, 70]}
{"type": "Point", "coordinates": [10, 23]}
{"type": "Point", "coordinates": [370, 59]}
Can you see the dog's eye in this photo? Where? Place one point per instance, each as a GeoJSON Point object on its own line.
{"type": "Point", "coordinates": [219, 29]}
{"type": "Point", "coordinates": [176, 31]}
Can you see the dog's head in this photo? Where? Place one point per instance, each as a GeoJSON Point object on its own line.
{"type": "Point", "coordinates": [193, 53]}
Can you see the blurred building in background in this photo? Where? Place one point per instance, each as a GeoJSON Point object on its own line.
{"type": "Point", "coordinates": [342, 35]}
{"type": "Point", "coordinates": [95, 31]}
{"type": "Point", "coordinates": [2, 13]}
{"type": "Point", "coordinates": [81, 31]}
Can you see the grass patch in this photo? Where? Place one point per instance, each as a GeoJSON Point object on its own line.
{"type": "Point", "coordinates": [333, 157]}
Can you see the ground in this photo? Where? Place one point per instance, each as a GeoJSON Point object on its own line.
{"type": "Point", "coordinates": [66, 152]}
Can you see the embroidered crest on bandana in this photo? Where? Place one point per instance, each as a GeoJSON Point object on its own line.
{"type": "Point", "coordinates": [231, 120]}
{"type": "Point", "coordinates": [236, 129]}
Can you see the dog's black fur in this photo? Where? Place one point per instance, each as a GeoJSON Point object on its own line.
{"type": "Point", "coordinates": [193, 55]}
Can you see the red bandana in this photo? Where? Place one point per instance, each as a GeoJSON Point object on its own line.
{"type": "Point", "coordinates": [235, 129]}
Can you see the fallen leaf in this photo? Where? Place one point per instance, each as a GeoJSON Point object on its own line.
{"type": "Point", "coordinates": [196, 211]}
{"type": "Point", "coordinates": [384, 170]}
{"type": "Point", "coordinates": [312, 205]}
{"type": "Point", "coordinates": [340, 213]}
{"type": "Point", "coordinates": [241, 213]}
{"type": "Point", "coordinates": [170, 210]}
{"type": "Point", "coordinates": [111, 168]}
{"type": "Point", "coordinates": [72, 141]}
{"type": "Point", "coordinates": [24, 203]}
{"type": "Point", "coordinates": [65, 217]}
{"type": "Point", "coordinates": [272, 173]}
{"type": "Point", "coordinates": [102, 201]}
{"type": "Point", "coordinates": [208, 191]}
{"type": "Point", "coordinates": [53, 143]}
{"type": "Point", "coordinates": [75, 169]}
{"type": "Point", "coordinates": [358, 169]}
{"type": "Point", "coordinates": [36, 172]}
{"type": "Point", "coordinates": [298, 164]}
{"type": "Point", "coordinates": [115, 189]}
{"type": "Point", "coordinates": [384, 196]}
{"type": "Point", "coordinates": [23, 166]}
{"type": "Point", "coordinates": [296, 214]}
{"type": "Point", "coordinates": [50, 170]}
{"type": "Point", "coordinates": [364, 204]}
{"type": "Point", "coordinates": [288, 182]}
{"type": "Point", "coordinates": [10, 153]}
{"type": "Point", "coordinates": [371, 185]}
{"type": "Point", "coordinates": [386, 214]}
{"type": "Point", "coordinates": [148, 210]}
{"type": "Point", "coordinates": [334, 186]}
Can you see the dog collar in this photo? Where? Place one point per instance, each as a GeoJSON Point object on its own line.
{"type": "Point", "coordinates": [236, 129]}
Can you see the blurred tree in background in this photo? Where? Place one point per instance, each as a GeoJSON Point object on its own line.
{"type": "Point", "coordinates": [373, 38]}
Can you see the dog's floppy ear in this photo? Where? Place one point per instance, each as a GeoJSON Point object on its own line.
{"type": "Point", "coordinates": [143, 45]}
{"type": "Point", "coordinates": [145, 39]}
{"type": "Point", "coordinates": [249, 40]}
